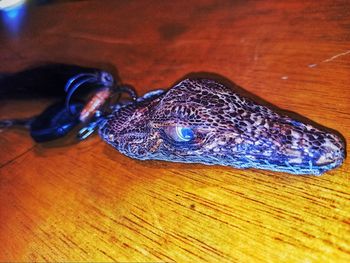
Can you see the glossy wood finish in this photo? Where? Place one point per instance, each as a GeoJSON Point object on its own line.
{"type": "Point", "coordinates": [87, 202]}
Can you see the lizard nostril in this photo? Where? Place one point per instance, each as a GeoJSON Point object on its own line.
{"type": "Point", "coordinates": [332, 152]}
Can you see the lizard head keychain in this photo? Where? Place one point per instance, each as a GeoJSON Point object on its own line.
{"type": "Point", "coordinates": [195, 121]}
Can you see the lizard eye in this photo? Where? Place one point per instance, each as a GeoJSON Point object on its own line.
{"type": "Point", "coordinates": [180, 133]}
{"type": "Point", "coordinates": [184, 133]}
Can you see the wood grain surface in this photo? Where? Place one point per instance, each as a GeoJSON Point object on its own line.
{"type": "Point", "coordinates": [87, 202]}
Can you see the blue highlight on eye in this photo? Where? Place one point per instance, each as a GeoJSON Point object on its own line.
{"type": "Point", "coordinates": [184, 134]}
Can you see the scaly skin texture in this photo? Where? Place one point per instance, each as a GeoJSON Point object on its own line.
{"type": "Point", "coordinates": [225, 128]}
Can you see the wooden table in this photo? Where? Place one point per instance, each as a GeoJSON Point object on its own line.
{"type": "Point", "coordinates": [88, 202]}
